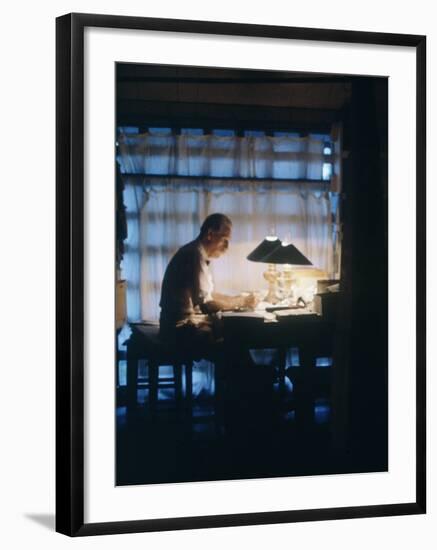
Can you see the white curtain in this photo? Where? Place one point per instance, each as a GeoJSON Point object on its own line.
{"type": "Point", "coordinates": [217, 156]}
{"type": "Point", "coordinates": [164, 211]}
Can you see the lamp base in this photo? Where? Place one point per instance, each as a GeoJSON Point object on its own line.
{"type": "Point", "coordinates": [271, 276]}
{"type": "Point", "coordinates": [287, 285]}
{"type": "Point", "coordinates": [271, 297]}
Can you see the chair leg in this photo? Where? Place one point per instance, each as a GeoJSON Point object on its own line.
{"type": "Point", "coordinates": [131, 379]}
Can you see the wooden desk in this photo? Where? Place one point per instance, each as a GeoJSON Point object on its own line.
{"type": "Point", "coordinates": [310, 333]}
{"type": "Point", "coordinates": [310, 330]}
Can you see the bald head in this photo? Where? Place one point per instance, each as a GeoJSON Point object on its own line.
{"type": "Point", "coordinates": [215, 234]}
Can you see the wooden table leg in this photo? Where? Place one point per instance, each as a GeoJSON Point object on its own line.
{"type": "Point", "coordinates": [304, 391]}
{"type": "Point", "coordinates": [219, 396]}
{"type": "Point", "coordinates": [153, 385]}
{"type": "Point", "coordinates": [189, 386]}
{"type": "Point", "coordinates": [282, 358]}
{"type": "Point", "coordinates": [177, 374]}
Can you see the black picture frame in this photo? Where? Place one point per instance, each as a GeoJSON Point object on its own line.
{"type": "Point", "coordinates": [70, 273]}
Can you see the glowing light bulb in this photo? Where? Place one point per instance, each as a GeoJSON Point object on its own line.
{"type": "Point", "coordinates": [272, 235]}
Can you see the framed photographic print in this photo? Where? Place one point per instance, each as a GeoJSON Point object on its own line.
{"type": "Point", "coordinates": [240, 274]}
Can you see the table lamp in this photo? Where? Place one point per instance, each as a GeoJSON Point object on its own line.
{"type": "Point", "coordinates": [266, 247]}
{"type": "Point", "coordinates": [288, 256]}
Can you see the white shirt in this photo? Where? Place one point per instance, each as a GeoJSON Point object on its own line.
{"type": "Point", "coordinates": [206, 283]}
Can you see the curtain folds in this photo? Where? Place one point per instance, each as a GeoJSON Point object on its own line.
{"type": "Point", "coordinates": [217, 156]}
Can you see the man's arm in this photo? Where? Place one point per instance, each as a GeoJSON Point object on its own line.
{"type": "Point", "coordinates": [223, 302]}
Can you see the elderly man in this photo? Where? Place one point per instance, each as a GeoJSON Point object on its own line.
{"type": "Point", "coordinates": [188, 296]}
{"type": "Point", "coordinates": [188, 302]}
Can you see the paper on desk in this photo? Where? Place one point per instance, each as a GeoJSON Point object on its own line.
{"type": "Point", "coordinates": [250, 314]}
{"type": "Point", "coordinates": [293, 312]}
{"type": "Point", "coordinates": [258, 315]}
{"type": "Point", "coordinates": [261, 306]}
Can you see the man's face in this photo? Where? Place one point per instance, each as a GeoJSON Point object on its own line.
{"type": "Point", "coordinates": [217, 242]}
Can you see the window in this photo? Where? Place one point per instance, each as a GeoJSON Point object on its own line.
{"type": "Point", "coordinates": [173, 178]}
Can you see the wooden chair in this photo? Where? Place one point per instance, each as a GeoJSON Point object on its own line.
{"type": "Point", "coordinates": [145, 344]}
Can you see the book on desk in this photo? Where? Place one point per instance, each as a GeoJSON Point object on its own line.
{"type": "Point", "coordinates": [261, 316]}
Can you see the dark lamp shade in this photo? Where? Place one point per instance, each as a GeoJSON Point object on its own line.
{"type": "Point", "coordinates": [266, 247]}
{"type": "Point", "coordinates": [288, 254]}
